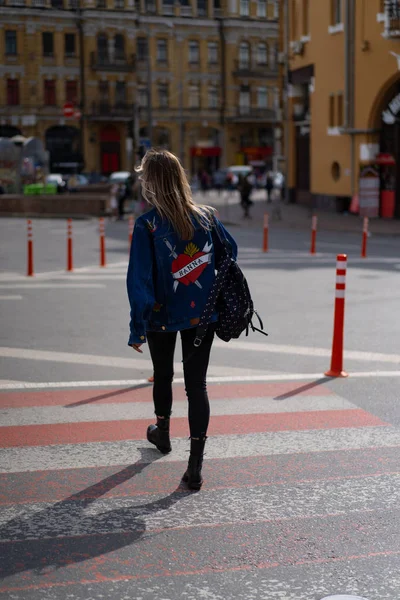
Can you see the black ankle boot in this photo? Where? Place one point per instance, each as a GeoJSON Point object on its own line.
{"type": "Point", "coordinates": [192, 475]}
{"type": "Point", "coordinates": [159, 435]}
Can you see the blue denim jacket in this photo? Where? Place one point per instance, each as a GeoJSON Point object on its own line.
{"type": "Point", "coordinates": [169, 279]}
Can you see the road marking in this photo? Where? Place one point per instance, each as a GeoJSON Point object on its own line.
{"type": "Point", "coordinates": [128, 452]}
{"type": "Point", "coordinates": [109, 361]}
{"type": "Point", "coordinates": [30, 385]}
{"type": "Point", "coordinates": [15, 297]}
{"type": "Point", "coordinates": [306, 351]}
{"type": "Point", "coordinates": [46, 415]}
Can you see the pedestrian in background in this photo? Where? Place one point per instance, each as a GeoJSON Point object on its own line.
{"type": "Point", "coordinates": [114, 201]}
{"type": "Point", "coordinates": [245, 188]}
{"type": "Point", "coordinates": [269, 186]}
{"type": "Point", "coordinates": [122, 192]}
{"type": "Point", "coordinates": [172, 265]}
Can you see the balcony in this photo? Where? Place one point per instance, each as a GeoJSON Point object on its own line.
{"type": "Point", "coordinates": [116, 64]}
{"type": "Point", "coordinates": [38, 3]}
{"type": "Point", "coordinates": [248, 114]}
{"type": "Point", "coordinates": [246, 69]}
{"type": "Point", "coordinates": [107, 111]}
{"type": "Point", "coordinates": [392, 19]}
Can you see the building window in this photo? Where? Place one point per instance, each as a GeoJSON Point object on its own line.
{"type": "Point", "coordinates": [336, 12]}
{"type": "Point", "coordinates": [120, 94]}
{"type": "Point", "coordinates": [71, 92]}
{"type": "Point", "coordinates": [194, 96]}
{"type": "Point", "coordinates": [104, 93]}
{"type": "Point", "coordinates": [11, 42]}
{"type": "Point", "coordinates": [262, 9]}
{"type": "Point", "coordinates": [262, 97]}
{"type": "Point", "coordinates": [273, 56]}
{"type": "Point", "coordinates": [340, 112]}
{"type": "Point", "coordinates": [142, 97]}
{"type": "Point", "coordinates": [194, 52]}
{"type": "Point", "coordinates": [306, 15]}
{"type": "Point", "coordinates": [163, 96]}
{"type": "Point", "coordinates": [69, 44]}
{"type": "Point", "coordinates": [212, 53]}
{"type": "Point", "coordinates": [212, 97]}
{"type": "Point", "coordinates": [48, 43]}
{"type": "Point", "coordinates": [142, 48]}
{"type": "Point", "coordinates": [119, 4]}
{"type": "Point", "coordinates": [150, 6]}
{"type": "Point", "coordinates": [332, 110]}
{"type": "Point", "coordinates": [119, 47]}
{"type": "Point", "coordinates": [12, 92]}
{"type": "Point", "coordinates": [202, 8]}
{"type": "Point", "coordinates": [294, 19]}
{"type": "Point", "coordinates": [162, 51]}
{"type": "Point", "coordinates": [244, 55]}
{"type": "Point", "coordinates": [57, 3]}
{"type": "Point", "coordinates": [244, 8]}
{"type": "Point", "coordinates": [101, 4]}
{"type": "Point", "coordinates": [262, 54]}
{"type": "Point", "coordinates": [244, 100]}
{"type": "Point", "coordinates": [50, 92]}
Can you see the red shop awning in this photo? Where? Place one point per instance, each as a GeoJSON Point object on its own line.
{"type": "Point", "coordinates": [209, 151]}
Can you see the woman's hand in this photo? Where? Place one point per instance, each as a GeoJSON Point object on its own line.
{"type": "Point", "coordinates": [137, 348]}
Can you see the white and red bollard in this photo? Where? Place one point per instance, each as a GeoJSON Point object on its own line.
{"type": "Point", "coordinates": [102, 242]}
{"type": "Point", "coordinates": [364, 238]}
{"type": "Point", "coordinates": [314, 222]}
{"type": "Point", "coordinates": [265, 233]}
{"type": "Point", "coordinates": [30, 271]}
{"type": "Point", "coordinates": [70, 261]}
{"type": "Point", "coordinates": [336, 369]}
{"type": "Point", "coordinates": [131, 227]}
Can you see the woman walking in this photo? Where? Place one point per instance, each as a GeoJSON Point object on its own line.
{"type": "Point", "coordinates": [172, 265]}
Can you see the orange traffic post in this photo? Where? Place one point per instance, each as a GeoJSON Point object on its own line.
{"type": "Point", "coordinates": [131, 226]}
{"type": "Point", "coordinates": [364, 238]}
{"type": "Point", "coordinates": [70, 262]}
{"type": "Point", "coordinates": [336, 369]}
{"type": "Point", "coordinates": [102, 243]}
{"type": "Point", "coordinates": [314, 222]}
{"type": "Point", "coordinates": [265, 236]}
{"type": "Point", "coordinates": [30, 272]}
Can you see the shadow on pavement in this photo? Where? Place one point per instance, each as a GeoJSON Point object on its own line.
{"type": "Point", "coordinates": [108, 395]}
{"type": "Point", "coordinates": [303, 388]}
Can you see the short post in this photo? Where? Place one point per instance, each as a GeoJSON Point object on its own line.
{"type": "Point", "coordinates": [314, 222]}
{"type": "Point", "coordinates": [30, 272]}
{"type": "Point", "coordinates": [364, 238]}
{"type": "Point", "coordinates": [336, 369]}
{"type": "Point", "coordinates": [102, 243]}
{"type": "Point", "coordinates": [70, 262]}
{"type": "Point", "coordinates": [265, 234]}
{"type": "Point", "coordinates": [131, 226]}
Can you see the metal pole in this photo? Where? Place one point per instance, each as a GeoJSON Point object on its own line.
{"type": "Point", "coordinates": [286, 98]}
{"type": "Point", "coordinates": [82, 86]}
{"type": "Point", "coordinates": [149, 92]}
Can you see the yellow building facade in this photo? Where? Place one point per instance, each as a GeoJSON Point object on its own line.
{"type": "Point", "coordinates": [100, 80]}
{"type": "Point", "coordinates": [343, 99]}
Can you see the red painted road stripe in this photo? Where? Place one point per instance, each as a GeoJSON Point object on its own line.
{"type": "Point", "coordinates": [142, 479]}
{"type": "Point", "coordinates": [75, 397]}
{"type": "Point", "coordinates": [112, 431]}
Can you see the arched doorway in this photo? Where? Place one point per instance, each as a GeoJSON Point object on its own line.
{"type": "Point", "coordinates": [110, 150]}
{"type": "Point", "coordinates": [9, 131]}
{"type": "Point", "coordinates": [386, 117]}
{"type": "Point", "coordinates": [63, 145]}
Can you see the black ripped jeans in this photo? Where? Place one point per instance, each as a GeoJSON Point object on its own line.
{"type": "Point", "coordinates": [162, 349]}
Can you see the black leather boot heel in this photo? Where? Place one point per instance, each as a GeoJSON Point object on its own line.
{"type": "Point", "coordinates": [193, 476]}
{"type": "Point", "coordinates": [159, 435]}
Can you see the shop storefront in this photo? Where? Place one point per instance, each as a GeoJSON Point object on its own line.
{"type": "Point", "coordinates": [205, 158]}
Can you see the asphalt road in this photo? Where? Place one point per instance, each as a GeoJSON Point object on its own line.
{"type": "Point", "coordinates": [302, 479]}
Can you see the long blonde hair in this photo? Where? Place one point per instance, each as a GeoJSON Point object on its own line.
{"type": "Point", "coordinates": [165, 186]}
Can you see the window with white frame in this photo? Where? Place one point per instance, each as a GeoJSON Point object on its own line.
{"type": "Point", "coordinates": [244, 8]}
{"type": "Point", "coordinates": [194, 52]}
{"type": "Point", "coordinates": [162, 51]}
{"type": "Point", "coordinates": [142, 97]}
{"type": "Point", "coordinates": [262, 54]}
{"type": "Point", "coordinates": [212, 53]}
{"type": "Point", "coordinates": [212, 97]}
{"type": "Point", "coordinates": [262, 97]}
{"type": "Point", "coordinates": [194, 95]}
{"type": "Point", "coordinates": [244, 100]}
{"type": "Point", "coordinates": [244, 55]}
{"type": "Point", "coordinates": [262, 9]}
{"type": "Point", "coordinates": [163, 96]}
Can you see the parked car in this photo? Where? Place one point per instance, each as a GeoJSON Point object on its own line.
{"type": "Point", "coordinates": [74, 182]}
{"type": "Point", "coordinates": [57, 179]}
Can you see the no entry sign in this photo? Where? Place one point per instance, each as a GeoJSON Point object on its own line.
{"type": "Point", "coordinates": [68, 109]}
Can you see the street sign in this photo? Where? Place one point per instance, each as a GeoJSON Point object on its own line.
{"type": "Point", "coordinates": [77, 114]}
{"type": "Point", "coordinates": [68, 109]}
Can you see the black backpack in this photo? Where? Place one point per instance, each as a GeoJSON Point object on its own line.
{"type": "Point", "coordinates": [230, 296]}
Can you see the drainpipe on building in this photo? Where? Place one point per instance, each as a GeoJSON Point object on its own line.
{"type": "Point", "coordinates": [82, 86]}
{"type": "Point", "coordinates": [223, 90]}
{"type": "Point", "coordinates": [286, 97]}
{"type": "Point", "coordinates": [349, 32]}
{"type": "Point", "coordinates": [149, 92]}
